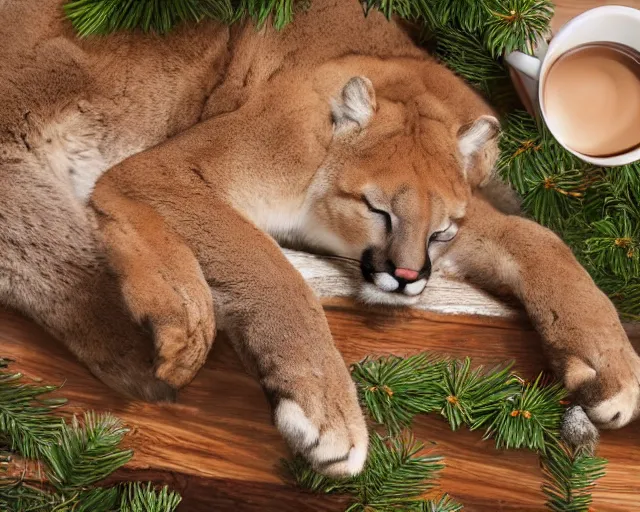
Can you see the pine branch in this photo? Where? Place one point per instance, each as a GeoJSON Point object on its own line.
{"type": "Point", "coordinates": [17, 496]}
{"type": "Point", "coordinates": [516, 413]}
{"type": "Point", "coordinates": [467, 393]}
{"type": "Point", "coordinates": [528, 419]}
{"type": "Point", "coordinates": [138, 497]}
{"type": "Point", "coordinates": [469, 15]}
{"type": "Point", "coordinates": [85, 454]}
{"type": "Point", "coordinates": [466, 54]}
{"type": "Point", "coordinates": [75, 457]}
{"type": "Point", "coordinates": [26, 425]}
{"type": "Point", "coordinates": [395, 475]}
{"type": "Point", "coordinates": [395, 389]}
{"type": "Point", "coordinates": [550, 179]}
{"type": "Point", "coordinates": [570, 478]}
{"type": "Point", "coordinates": [444, 504]}
{"type": "Point", "coordinates": [596, 211]}
{"type": "Point", "coordinates": [99, 499]}
{"type": "Point", "coordinates": [95, 17]}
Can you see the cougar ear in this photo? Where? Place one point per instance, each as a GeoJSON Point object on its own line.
{"type": "Point", "coordinates": [356, 105]}
{"type": "Point", "coordinates": [474, 136]}
{"type": "Point", "coordinates": [577, 373]}
{"type": "Point", "coordinates": [479, 150]}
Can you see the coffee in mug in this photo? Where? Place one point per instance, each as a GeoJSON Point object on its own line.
{"type": "Point", "coordinates": [585, 84]}
{"type": "Point", "coordinates": [591, 95]}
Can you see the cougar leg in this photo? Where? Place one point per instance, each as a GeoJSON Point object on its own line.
{"type": "Point", "coordinates": [51, 267]}
{"type": "Point", "coordinates": [162, 284]}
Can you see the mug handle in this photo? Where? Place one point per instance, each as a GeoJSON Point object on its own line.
{"type": "Point", "coordinates": [524, 63]}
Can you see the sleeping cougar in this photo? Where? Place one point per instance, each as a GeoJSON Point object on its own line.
{"type": "Point", "coordinates": [337, 133]}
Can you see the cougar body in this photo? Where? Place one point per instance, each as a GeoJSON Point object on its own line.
{"type": "Point", "coordinates": [338, 134]}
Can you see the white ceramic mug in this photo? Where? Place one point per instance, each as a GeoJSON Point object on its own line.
{"type": "Point", "coordinates": [610, 23]}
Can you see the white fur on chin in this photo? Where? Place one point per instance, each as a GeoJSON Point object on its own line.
{"type": "Point", "coordinates": [371, 294]}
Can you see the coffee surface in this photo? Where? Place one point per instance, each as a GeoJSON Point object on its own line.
{"type": "Point", "coordinates": [591, 98]}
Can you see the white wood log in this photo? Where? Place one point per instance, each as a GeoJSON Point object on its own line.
{"type": "Point", "coordinates": [335, 277]}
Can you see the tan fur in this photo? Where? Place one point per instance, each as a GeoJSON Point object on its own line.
{"type": "Point", "coordinates": [306, 131]}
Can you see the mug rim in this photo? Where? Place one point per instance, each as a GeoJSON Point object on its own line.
{"type": "Point", "coordinates": [616, 160]}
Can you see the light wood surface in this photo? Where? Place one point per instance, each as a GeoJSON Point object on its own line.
{"type": "Point", "coordinates": [217, 445]}
{"type": "Point", "coordinates": [567, 9]}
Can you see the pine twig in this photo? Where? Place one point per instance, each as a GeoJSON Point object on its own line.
{"type": "Point", "coordinates": [570, 477]}
{"type": "Point", "coordinates": [396, 474]}
{"type": "Point", "coordinates": [75, 457]}
{"type": "Point", "coordinates": [528, 419]}
{"type": "Point", "coordinates": [466, 394]}
{"type": "Point", "coordinates": [516, 25]}
{"type": "Point", "coordinates": [87, 453]}
{"type": "Point", "coordinates": [395, 389]}
{"type": "Point", "coordinates": [26, 423]}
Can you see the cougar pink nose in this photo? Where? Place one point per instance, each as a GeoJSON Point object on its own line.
{"type": "Point", "coordinates": [405, 273]}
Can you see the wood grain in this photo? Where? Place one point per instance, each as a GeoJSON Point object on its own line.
{"type": "Point", "coordinates": [567, 9]}
{"type": "Point", "coordinates": [217, 445]}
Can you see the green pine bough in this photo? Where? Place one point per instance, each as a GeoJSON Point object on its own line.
{"type": "Point", "coordinates": [595, 210]}
{"type": "Point", "coordinates": [514, 413]}
{"type": "Point", "coordinates": [75, 456]}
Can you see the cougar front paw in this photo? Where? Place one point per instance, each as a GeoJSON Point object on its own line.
{"type": "Point", "coordinates": [326, 426]}
{"type": "Point", "coordinates": [606, 384]}
{"type": "Point", "coordinates": [180, 313]}
{"type": "Point", "coordinates": [184, 337]}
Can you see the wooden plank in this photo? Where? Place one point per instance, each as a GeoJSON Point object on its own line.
{"type": "Point", "coordinates": [567, 9]}
{"type": "Point", "coordinates": [217, 444]}
{"type": "Point", "coordinates": [336, 277]}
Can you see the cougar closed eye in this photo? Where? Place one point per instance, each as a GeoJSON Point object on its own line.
{"type": "Point", "coordinates": [445, 235]}
{"type": "Point", "coordinates": [386, 215]}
